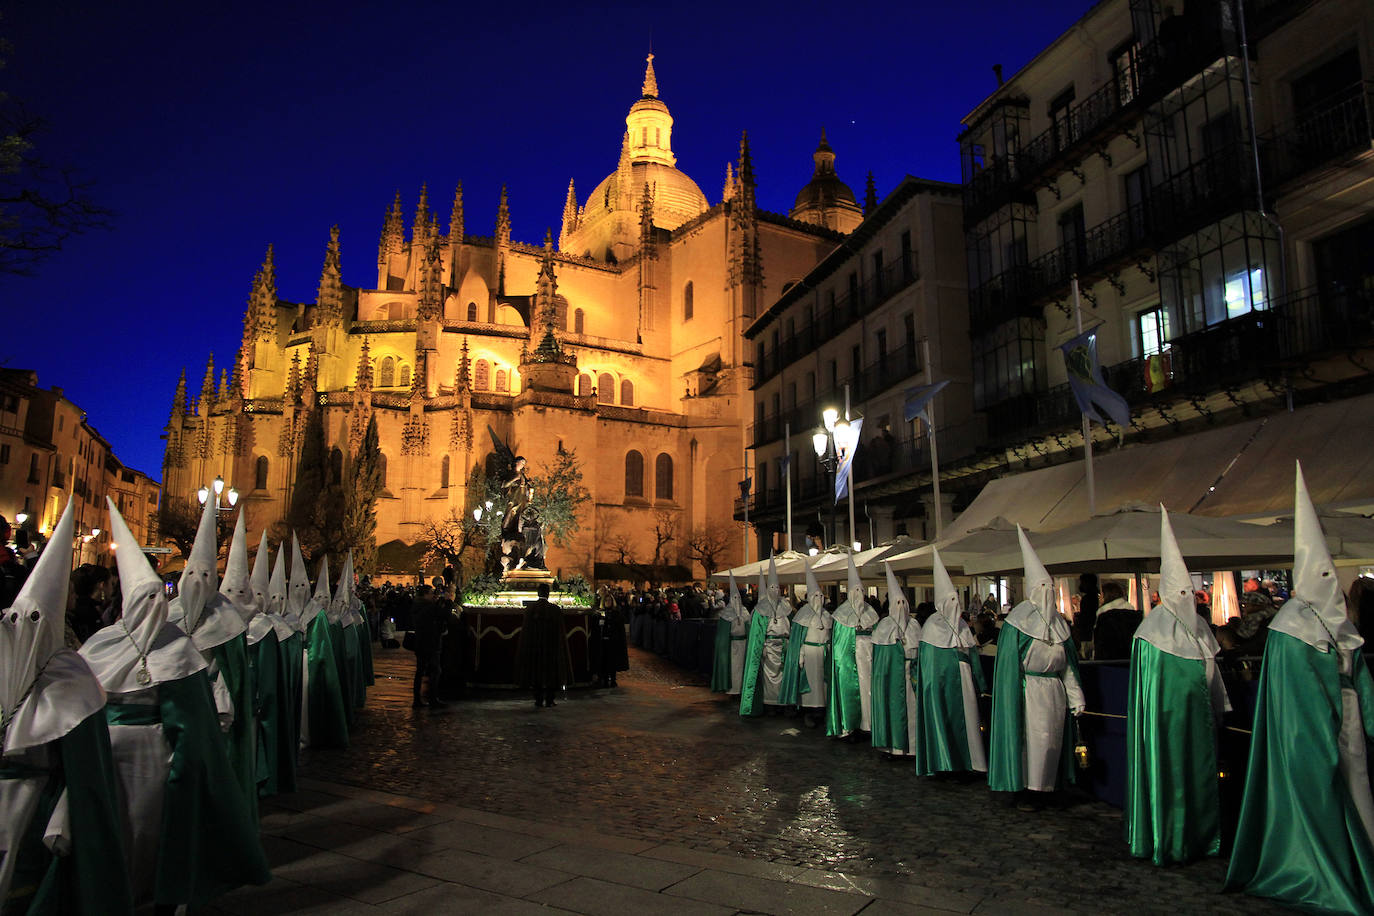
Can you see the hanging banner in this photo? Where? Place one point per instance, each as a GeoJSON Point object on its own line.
{"type": "Point", "coordinates": [1087, 385]}
{"type": "Point", "coordinates": [847, 460]}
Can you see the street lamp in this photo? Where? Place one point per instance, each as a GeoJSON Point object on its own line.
{"type": "Point", "coordinates": [203, 494]}
{"type": "Point", "coordinates": [477, 514]}
{"type": "Point", "coordinates": [219, 485]}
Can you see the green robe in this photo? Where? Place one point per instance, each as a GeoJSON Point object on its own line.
{"type": "Point", "coordinates": [345, 647]}
{"type": "Point", "coordinates": [91, 878]}
{"type": "Point", "coordinates": [888, 711]}
{"type": "Point", "coordinates": [232, 660]}
{"type": "Point", "coordinates": [275, 768]}
{"type": "Point", "coordinates": [1173, 805]}
{"type": "Point", "coordinates": [793, 675]}
{"type": "Point", "coordinates": [751, 693]}
{"type": "Point", "coordinates": [941, 730]}
{"type": "Point", "coordinates": [843, 712]}
{"type": "Point", "coordinates": [326, 706]}
{"type": "Point", "coordinates": [208, 843]}
{"type": "Point", "coordinates": [289, 704]}
{"type": "Point", "coordinates": [365, 652]}
{"type": "Point", "coordinates": [1299, 839]}
{"type": "Point", "coordinates": [720, 661]}
{"type": "Point", "coordinates": [353, 664]}
{"type": "Point", "coordinates": [1007, 730]}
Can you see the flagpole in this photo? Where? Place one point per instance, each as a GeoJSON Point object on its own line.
{"type": "Point", "coordinates": [934, 449]}
{"type": "Point", "coordinates": [787, 471]}
{"type": "Point", "coordinates": [1087, 425]}
{"type": "Point", "coordinates": [746, 500]}
{"type": "Point", "coordinates": [849, 470]}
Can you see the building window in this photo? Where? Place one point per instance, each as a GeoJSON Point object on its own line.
{"type": "Point", "coordinates": [634, 474]}
{"type": "Point", "coordinates": [1126, 73]}
{"type": "Point", "coordinates": [1061, 120]}
{"type": "Point", "coordinates": [882, 351]}
{"type": "Point", "coordinates": [501, 384]}
{"type": "Point", "coordinates": [482, 375]}
{"type": "Point", "coordinates": [472, 311]}
{"type": "Point", "coordinates": [627, 393]}
{"type": "Point", "coordinates": [605, 389]}
{"type": "Point", "coordinates": [388, 373]}
{"type": "Point", "coordinates": [61, 422]}
{"type": "Point", "coordinates": [443, 474]}
{"type": "Point", "coordinates": [663, 476]}
{"type": "Point", "coordinates": [381, 470]}
{"type": "Point", "coordinates": [687, 303]}
{"type": "Point", "coordinates": [4, 454]}
{"type": "Point", "coordinates": [579, 321]}
{"type": "Point", "coordinates": [560, 313]}
{"type": "Point", "coordinates": [1151, 331]}
{"type": "Point", "coordinates": [260, 473]}
{"type": "Point", "coordinates": [1072, 237]}
{"type": "Point", "coordinates": [584, 385]}
{"type": "Point", "coordinates": [336, 466]}
{"type": "Point", "coordinates": [1244, 292]}
{"type": "Point", "coordinates": [405, 377]}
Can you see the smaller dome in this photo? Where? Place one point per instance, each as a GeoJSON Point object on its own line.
{"type": "Point", "coordinates": [826, 200]}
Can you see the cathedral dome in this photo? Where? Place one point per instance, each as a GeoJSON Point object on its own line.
{"type": "Point", "coordinates": [677, 198]}
{"type": "Point", "coordinates": [826, 200]}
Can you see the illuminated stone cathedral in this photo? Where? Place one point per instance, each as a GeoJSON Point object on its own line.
{"type": "Point", "coordinates": [624, 342]}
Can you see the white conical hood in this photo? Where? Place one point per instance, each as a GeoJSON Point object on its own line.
{"type": "Point", "coordinates": [815, 598]}
{"type": "Point", "coordinates": [897, 605]}
{"type": "Point", "coordinates": [199, 579]}
{"type": "Point", "coordinates": [139, 650]}
{"type": "Point", "coordinates": [262, 572]}
{"type": "Point", "coordinates": [813, 614]}
{"type": "Point", "coordinates": [298, 589]}
{"type": "Point", "coordinates": [856, 585]}
{"type": "Point", "coordinates": [774, 589]}
{"type": "Point", "coordinates": [238, 585]}
{"type": "Point", "coordinates": [1175, 625]}
{"type": "Point", "coordinates": [346, 601]}
{"type": "Point", "coordinates": [1316, 613]}
{"type": "Point", "coordinates": [855, 611]}
{"type": "Point", "coordinates": [764, 603]}
{"type": "Point", "coordinates": [1038, 615]}
{"type": "Point", "coordinates": [34, 627]}
{"type": "Point", "coordinates": [321, 600]}
{"type": "Point", "coordinates": [276, 586]}
{"type": "Point", "coordinates": [734, 603]}
{"type": "Point", "coordinates": [946, 627]}
{"type": "Point", "coordinates": [46, 690]}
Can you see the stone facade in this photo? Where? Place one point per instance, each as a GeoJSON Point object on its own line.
{"type": "Point", "coordinates": [645, 296]}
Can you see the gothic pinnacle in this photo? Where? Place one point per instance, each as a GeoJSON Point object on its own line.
{"type": "Point", "coordinates": [455, 218]}
{"type": "Point", "coordinates": [503, 218]}
{"type": "Point", "coordinates": [329, 297]}
{"type": "Point", "coordinates": [650, 88]}
{"type": "Point", "coordinates": [393, 232]}
{"type": "Point", "coordinates": [421, 215]}
{"type": "Point", "coordinates": [870, 194]}
{"type": "Point", "coordinates": [364, 376]}
{"type": "Point", "coordinates": [179, 397]}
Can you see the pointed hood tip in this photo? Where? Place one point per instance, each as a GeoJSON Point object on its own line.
{"type": "Point", "coordinates": [897, 601]}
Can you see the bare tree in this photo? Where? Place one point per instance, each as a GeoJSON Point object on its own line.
{"type": "Point", "coordinates": [177, 521]}
{"type": "Point", "coordinates": [665, 532]}
{"type": "Point", "coordinates": [449, 538]}
{"type": "Point", "coordinates": [618, 544]}
{"type": "Point", "coordinates": [707, 545]}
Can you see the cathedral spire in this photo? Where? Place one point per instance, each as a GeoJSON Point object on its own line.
{"type": "Point", "coordinates": [544, 317]}
{"type": "Point", "coordinates": [646, 222]}
{"type": "Point", "coordinates": [569, 216]}
{"type": "Point", "coordinates": [329, 297]}
{"type": "Point", "coordinates": [746, 168]}
{"type": "Point", "coordinates": [462, 376]}
{"type": "Point", "coordinates": [293, 380]}
{"type": "Point", "coordinates": [455, 218]}
{"type": "Point", "coordinates": [260, 318]}
{"type": "Point", "coordinates": [363, 377]}
{"type": "Point", "coordinates": [417, 231]}
{"type": "Point", "coordinates": [393, 232]}
{"type": "Point", "coordinates": [503, 219]}
{"type": "Point", "coordinates": [870, 194]}
{"type": "Point", "coordinates": [179, 399]}
{"type": "Point", "coordinates": [431, 292]}
{"type": "Point", "coordinates": [650, 88]}
{"type": "Point", "coordinates": [207, 387]}
{"type": "Point", "coordinates": [729, 190]}
{"type": "Point", "coordinates": [223, 393]}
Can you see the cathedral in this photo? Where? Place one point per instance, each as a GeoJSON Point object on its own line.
{"type": "Point", "coordinates": [623, 343]}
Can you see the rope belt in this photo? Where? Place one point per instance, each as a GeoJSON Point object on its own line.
{"type": "Point", "coordinates": [807, 642]}
{"type": "Point", "coordinates": [1054, 675]}
{"type": "Point", "coordinates": [132, 714]}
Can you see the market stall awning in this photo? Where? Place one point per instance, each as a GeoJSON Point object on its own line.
{"type": "Point", "coordinates": [1349, 537]}
{"type": "Point", "coordinates": [956, 552]}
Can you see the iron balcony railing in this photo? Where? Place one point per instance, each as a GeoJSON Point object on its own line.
{"type": "Point", "coordinates": [1337, 128]}
{"type": "Point", "coordinates": [1256, 345]}
{"type": "Point", "coordinates": [833, 320]}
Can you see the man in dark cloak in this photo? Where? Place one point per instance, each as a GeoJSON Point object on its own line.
{"type": "Point", "coordinates": [609, 654]}
{"type": "Point", "coordinates": [543, 663]}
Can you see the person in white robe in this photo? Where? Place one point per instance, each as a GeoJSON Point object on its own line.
{"type": "Point", "coordinates": [949, 677]}
{"type": "Point", "coordinates": [849, 704]}
{"type": "Point", "coordinates": [769, 626]}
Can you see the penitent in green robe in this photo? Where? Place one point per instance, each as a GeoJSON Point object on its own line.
{"type": "Point", "coordinates": [1300, 839]}
{"type": "Point", "coordinates": [751, 693]}
{"type": "Point", "coordinates": [275, 767]}
{"type": "Point", "coordinates": [91, 877]}
{"type": "Point", "coordinates": [241, 740]}
{"type": "Point", "coordinates": [1007, 729]}
{"type": "Point", "coordinates": [793, 674]}
{"type": "Point", "coordinates": [325, 705]}
{"type": "Point", "coordinates": [365, 652]}
{"type": "Point", "coordinates": [345, 647]}
{"type": "Point", "coordinates": [1173, 806]}
{"type": "Point", "coordinates": [843, 709]}
{"type": "Point", "coordinates": [289, 703]}
{"type": "Point", "coordinates": [208, 843]}
{"type": "Point", "coordinates": [720, 661]}
{"type": "Point", "coordinates": [941, 728]}
{"type": "Point", "coordinates": [888, 711]}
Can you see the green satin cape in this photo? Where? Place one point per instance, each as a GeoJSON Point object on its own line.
{"type": "Point", "coordinates": [241, 739]}
{"type": "Point", "coordinates": [1299, 839]}
{"type": "Point", "coordinates": [327, 709]}
{"type": "Point", "coordinates": [941, 735]}
{"type": "Point", "coordinates": [91, 879]}
{"type": "Point", "coordinates": [272, 716]}
{"type": "Point", "coordinates": [365, 652]}
{"type": "Point", "coordinates": [290, 656]}
{"type": "Point", "coordinates": [349, 675]}
{"type": "Point", "coordinates": [1173, 805]}
{"type": "Point", "coordinates": [1007, 730]}
{"type": "Point", "coordinates": [751, 692]}
{"type": "Point", "coordinates": [888, 709]}
{"type": "Point", "coordinates": [843, 712]}
{"type": "Point", "coordinates": [793, 674]}
{"type": "Point", "coordinates": [720, 662]}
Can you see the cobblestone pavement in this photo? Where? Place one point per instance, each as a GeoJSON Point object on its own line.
{"type": "Point", "coordinates": [661, 760]}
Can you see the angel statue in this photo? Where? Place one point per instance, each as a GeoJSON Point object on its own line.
{"type": "Point", "coordinates": [522, 537]}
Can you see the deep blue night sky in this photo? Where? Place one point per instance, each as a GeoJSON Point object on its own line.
{"type": "Point", "coordinates": [213, 129]}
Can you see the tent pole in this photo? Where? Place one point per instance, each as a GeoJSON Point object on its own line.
{"type": "Point", "coordinates": [1087, 426]}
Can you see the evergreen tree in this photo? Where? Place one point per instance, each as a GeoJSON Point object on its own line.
{"type": "Point", "coordinates": [316, 512]}
{"type": "Point", "coordinates": [360, 501]}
